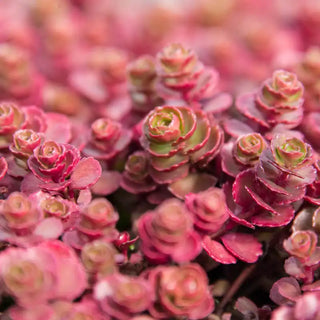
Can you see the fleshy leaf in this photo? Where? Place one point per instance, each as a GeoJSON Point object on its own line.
{"type": "Point", "coordinates": [236, 128]}
{"type": "Point", "coordinates": [247, 308]}
{"type": "Point", "coordinates": [49, 228]}
{"type": "Point", "coordinates": [217, 251]}
{"type": "Point", "coordinates": [244, 246]}
{"type": "Point", "coordinates": [267, 219]}
{"type": "Point", "coordinates": [284, 290]}
{"type": "Point", "coordinates": [192, 183]}
{"type": "Point", "coordinates": [85, 174]}
{"type": "Point", "coordinates": [3, 167]}
{"type": "Point", "coordinates": [108, 183]}
{"type": "Point", "coordinates": [58, 127]}
{"type": "Point", "coordinates": [219, 103]}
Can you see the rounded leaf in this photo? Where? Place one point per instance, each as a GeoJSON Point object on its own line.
{"type": "Point", "coordinates": [86, 173]}
{"type": "Point", "coordinates": [244, 246]}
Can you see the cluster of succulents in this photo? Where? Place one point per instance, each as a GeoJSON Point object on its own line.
{"type": "Point", "coordinates": [159, 163]}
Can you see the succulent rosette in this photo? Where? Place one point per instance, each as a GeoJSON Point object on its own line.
{"type": "Point", "coordinates": [180, 71]}
{"type": "Point", "coordinates": [55, 206]}
{"type": "Point", "coordinates": [286, 168]}
{"type": "Point", "coordinates": [17, 79]}
{"type": "Point", "coordinates": [280, 178]}
{"type": "Point", "coordinates": [136, 178]}
{"type": "Point", "coordinates": [97, 220]}
{"type": "Point", "coordinates": [18, 214]}
{"type": "Point", "coordinates": [58, 166]}
{"type": "Point", "coordinates": [142, 75]}
{"type": "Point", "coordinates": [308, 71]}
{"type": "Point", "coordinates": [181, 291]}
{"type": "Point", "coordinates": [50, 270]}
{"type": "Point", "coordinates": [27, 274]}
{"type": "Point", "coordinates": [97, 217]}
{"type": "Point", "coordinates": [53, 162]}
{"type": "Point", "coordinates": [110, 62]}
{"type": "Point", "coordinates": [209, 210]}
{"type": "Point", "coordinates": [301, 244]}
{"type": "Point", "coordinates": [305, 255]}
{"type": "Point", "coordinates": [122, 296]}
{"type": "Point", "coordinates": [98, 257]}
{"type": "Point", "coordinates": [242, 154]}
{"type": "Point", "coordinates": [11, 119]}
{"type": "Point", "coordinates": [36, 119]}
{"type": "Point", "coordinates": [24, 142]}
{"type": "Point", "coordinates": [107, 139]}
{"type": "Point", "coordinates": [22, 222]}
{"type": "Point", "coordinates": [176, 137]}
{"type": "Point", "coordinates": [167, 233]}
{"type": "Point", "coordinates": [279, 101]}
{"type": "Point", "coordinates": [178, 67]}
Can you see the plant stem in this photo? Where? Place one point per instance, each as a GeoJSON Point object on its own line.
{"type": "Point", "coordinates": [235, 287]}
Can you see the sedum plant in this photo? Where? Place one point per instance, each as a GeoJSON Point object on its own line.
{"type": "Point", "coordinates": [160, 161]}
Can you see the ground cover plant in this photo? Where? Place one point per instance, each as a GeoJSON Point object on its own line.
{"type": "Point", "coordinates": [159, 160]}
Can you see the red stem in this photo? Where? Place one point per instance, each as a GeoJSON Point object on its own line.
{"type": "Point", "coordinates": [235, 287]}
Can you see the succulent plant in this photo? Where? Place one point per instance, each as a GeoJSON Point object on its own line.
{"type": "Point", "coordinates": [59, 166]}
{"type": "Point", "coordinates": [123, 296]}
{"type": "Point", "coordinates": [176, 137]}
{"type": "Point", "coordinates": [209, 210]}
{"type": "Point", "coordinates": [181, 291]}
{"type": "Point", "coordinates": [180, 71]}
{"type": "Point", "coordinates": [278, 101]}
{"type": "Point", "coordinates": [136, 178]}
{"type": "Point", "coordinates": [167, 233]}
{"type": "Point", "coordinates": [281, 176]}
{"type": "Point", "coordinates": [242, 153]}
{"type": "Point", "coordinates": [308, 70]}
{"type": "Point", "coordinates": [142, 76]}
{"type": "Point", "coordinates": [107, 139]}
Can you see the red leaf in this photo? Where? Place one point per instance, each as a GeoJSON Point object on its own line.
{"type": "Point", "coordinates": [108, 183]}
{"type": "Point", "coordinates": [244, 246]}
{"type": "Point", "coordinates": [86, 173]}
{"type": "Point", "coordinates": [58, 127]}
{"type": "Point", "coordinates": [217, 251]}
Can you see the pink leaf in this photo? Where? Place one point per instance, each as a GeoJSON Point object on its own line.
{"type": "Point", "coordinates": [3, 167]}
{"type": "Point", "coordinates": [244, 180]}
{"type": "Point", "coordinates": [244, 246]}
{"type": "Point", "coordinates": [84, 197]}
{"type": "Point", "coordinates": [30, 184]}
{"type": "Point", "coordinates": [108, 183]}
{"type": "Point", "coordinates": [58, 127]}
{"type": "Point", "coordinates": [86, 173]}
{"type": "Point", "coordinates": [219, 103]}
{"type": "Point", "coordinates": [236, 128]}
{"type": "Point", "coordinates": [217, 251]}
{"type": "Point", "coordinates": [49, 228]}
{"type": "Point", "coordinates": [247, 307]}
{"type": "Point", "coordinates": [188, 249]}
{"type": "Point", "coordinates": [284, 290]}
{"type": "Point", "coordinates": [267, 219]}
{"type": "Point", "coordinates": [192, 183]}
{"type": "Point", "coordinates": [89, 84]}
